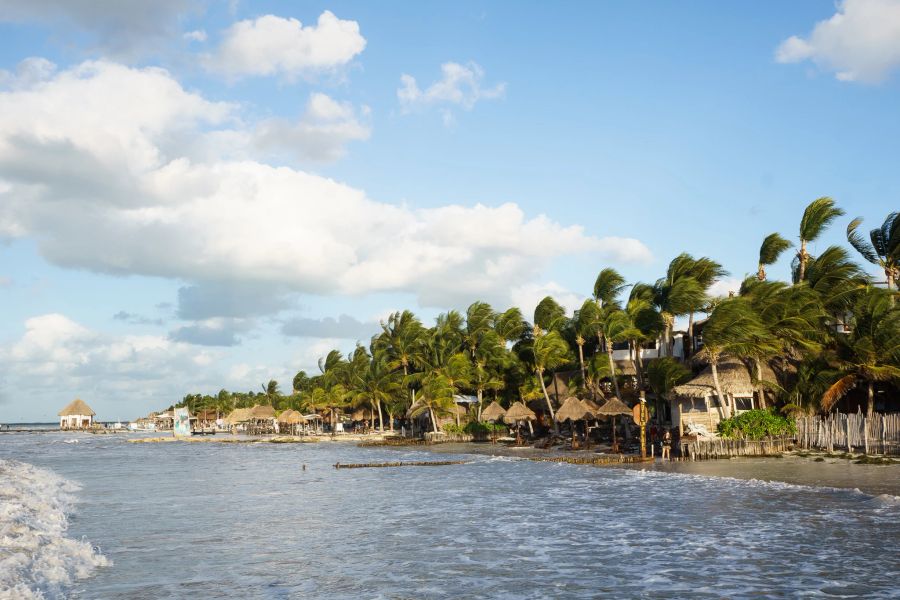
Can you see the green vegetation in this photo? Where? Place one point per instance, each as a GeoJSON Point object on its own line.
{"type": "Point", "coordinates": [756, 425]}
{"type": "Point", "coordinates": [829, 330]}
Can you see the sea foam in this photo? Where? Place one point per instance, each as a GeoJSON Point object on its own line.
{"type": "Point", "coordinates": [37, 560]}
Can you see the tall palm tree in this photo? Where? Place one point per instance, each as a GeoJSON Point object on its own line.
{"type": "Point", "coordinates": [584, 324]}
{"type": "Point", "coordinates": [883, 246]}
{"type": "Point", "coordinates": [647, 326]}
{"type": "Point", "coordinates": [618, 328]}
{"type": "Point", "coordinates": [373, 381]}
{"type": "Point", "coordinates": [837, 281]}
{"type": "Point", "coordinates": [816, 218]}
{"type": "Point", "coordinates": [769, 251]}
{"type": "Point", "coordinates": [403, 338]}
{"type": "Point", "coordinates": [662, 376]}
{"type": "Point", "coordinates": [870, 353]}
{"type": "Point", "coordinates": [548, 351]}
{"type": "Point", "coordinates": [549, 315]}
{"type": "Point", "coordinates": [733, 328]}
{"type": "Point", "coordinates": [705, 272]}
{"type": "Point", "coordinates": [436, 398]}
{"type": "Point", "coordinates": [607, 287]}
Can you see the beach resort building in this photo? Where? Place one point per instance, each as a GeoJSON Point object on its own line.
{"type": "Point", "coordinates": [76, 415]}
{"type": "Point", "coordinates": [697, 403]}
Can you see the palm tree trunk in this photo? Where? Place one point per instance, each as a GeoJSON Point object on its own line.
{"type": "Point", "coordinates": [889, 275]}
{"type": "Point", "coordinates": [871, 408]}
{"type": "Point", "coordinates": [581, 359]}
{"type": "Point", "coordinates": [801, 274]}
{"type": "Point", "coordinates": [480, 393]}
{"type": "Point", "coordinates": [726, 411]}
{"type": "Point", "coordinates": [761, 272]}
{"type": "Point", "coordinates": [380, 416]}
{"type": "Point", "coordinates": [540, 377]}
{"type": "Point", "coordinates": [433, 420]}
{"type": "Point", "coordinates": [390, 419]}
{"type": "Point", "coordinates": [760, 391]}
{"type": "Point", "coordinates": [689, 348]}
{"type": "Point", "coordinates": [612, 370]}
{"type": "Point", "coordinates": [637, 361]}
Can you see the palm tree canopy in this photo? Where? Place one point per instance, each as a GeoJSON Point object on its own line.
{"type": "Point", "coordinates": [883, 246]}
{"type": "Point", "coordinates": [771, 248]}
{"type": "Point", "coordinates": [817, 216]}
{"type": "Point", "coordinates": [608, 285]}
{"type": "Point", "coordinates": [549, 315]}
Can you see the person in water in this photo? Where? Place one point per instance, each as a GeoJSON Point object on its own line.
{"type": "Point", "coordinates": [667, 445]}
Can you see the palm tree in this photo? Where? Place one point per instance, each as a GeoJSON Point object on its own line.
{"type": "Point", "coordinates": [585, 323]}
{"type": "Point", "coordinates": [663, 375]}
{"type": "Point", "coordinates": [436, 398]}
{"type": "Point", "coordinates": [373, 381]}
{"type": "Point", "coordinates": [733, 328]}
{"type": "Point", "coordinates": [836, 280]}
{"type": "Point", "coordinates": [403, 338]}
{"type": "Point", "coordinates": [883, 247]}
{"type": "Point", "coordinates": [870, 353]}
{"type": "Point", "coordinates": [548, 351]}
{"type": "Point", "coordinates": [618, 328]}
{"type": "Point", "coordinates": [607, 287]}
{"type": "Point", "coordinates": [816, 218]}
{"type": "Point", "coordinates": [647, 325]}
{"type": "Point", "coordinates": [705, 272]}
{"type": "Point", "coordinates": [549, 315]}
{"type": "Point", "coordinates": [769, 251]}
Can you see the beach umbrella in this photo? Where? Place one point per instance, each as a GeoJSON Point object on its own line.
{"type": "Point", "coordinates": [611, 408]}
{"type": "Point", "coordinates": [572, 409]}
{"type": "Point", "coordinates": [493, 413]}
{"type": "Point", "coordinates": [518, 412]}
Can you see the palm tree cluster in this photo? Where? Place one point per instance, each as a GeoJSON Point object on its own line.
{"type": "Point", "coordinates": [828, 331]}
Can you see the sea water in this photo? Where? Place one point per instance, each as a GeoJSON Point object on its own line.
{"type": "Point", "coordinates": [88, 516]}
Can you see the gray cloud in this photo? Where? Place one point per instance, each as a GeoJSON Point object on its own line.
{"type": "Point", "coordinates": [135, 319]}
{"type": "Point", "coordinates": [218, 332]}
{"type": "Point", "coordinates": [229, 300]}
{"type": "Point", "coordinates": [344, 326]}
{"type": "Point", "coordinates": [124, 29]}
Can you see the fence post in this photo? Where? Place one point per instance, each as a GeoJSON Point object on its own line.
{"type": "Point", "coordinates": [866, 434]}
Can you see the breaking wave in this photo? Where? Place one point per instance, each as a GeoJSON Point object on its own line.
{"type": "Point", "coordinates": [37, 560]}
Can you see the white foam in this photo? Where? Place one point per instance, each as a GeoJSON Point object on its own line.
{"type": "Point", "coordinates": [37, 560]}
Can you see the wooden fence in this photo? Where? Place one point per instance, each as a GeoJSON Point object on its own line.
{"type": "Point", "coordinates": [878, 434]}
{"type": "Point", "coordinates": [721, 448]}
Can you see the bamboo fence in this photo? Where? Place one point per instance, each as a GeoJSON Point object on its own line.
{"type": "Point", "coordinates": [722, 448]}
{"type": "Point", "coordinates": [878, 434]}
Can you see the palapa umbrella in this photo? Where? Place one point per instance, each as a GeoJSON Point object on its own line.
{"type": "Point", "coordinates": [518, 412]}
{"type": "Point", "coordinates": [493, 413]}
{"type": "Point", "coordinates": [292, 418]}
{"type": "Point", "coordinates": [611, 408]}
{"type": "Point", "coordinates": [573, 410]}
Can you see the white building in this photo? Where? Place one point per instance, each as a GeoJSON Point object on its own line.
{"type": "Point", "coordinates": [76, 415]}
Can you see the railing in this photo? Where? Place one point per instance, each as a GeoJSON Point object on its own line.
{"type": "Point", "coordinates": [875, 434]}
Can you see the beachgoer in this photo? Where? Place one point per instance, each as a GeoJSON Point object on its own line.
{"type": "Point", "coordinates": [666, 445]}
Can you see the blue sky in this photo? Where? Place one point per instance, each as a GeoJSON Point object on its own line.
{"type": "Point", "coordinates": [198, 195]}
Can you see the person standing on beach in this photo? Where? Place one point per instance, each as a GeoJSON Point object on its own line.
{"type": "Point", "coordinates": [666, 445]}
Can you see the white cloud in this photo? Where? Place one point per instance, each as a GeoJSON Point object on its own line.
{"type": "Point", "coordinates": [58, 356]}
{"type": "Point", "coordinates": [460, 86]}
{"type": "Point", "coordinates": [112, 185]}
{"type": "Point", "coordinates": [527, 297]}
{"type": "Point", "coordinates": [271, 45]}
{"type": "Point", "coordinates": [344, 327]}
{"type": "Point", "coordinates": [122, 29]}
{"type": "Point", "coordinates": [321, 134]}
{"type": "Point", "coordinates": [198, 35]}
{"type": "Point", "coordinates": [860, 42]}
{"type": "Point", "coordinates": [723, 286]}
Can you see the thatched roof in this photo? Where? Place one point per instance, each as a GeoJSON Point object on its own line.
{"type": "Point", "coordinates": [734, 378]}
{"type": "Point", "coordinates": [76, 407]}
{"type": "Point", "coordinates": [613, 406]}
{"type": "Point", "coordinates": [494, 412]}
{"type": "Point", "coordinates": [291, 417]}
{"type": "Point", "coordinates": [262, 411]}
{"type": "Point", "coordinates": [572, 410]}
{"type": "Point", "coordinates": [591, 406]}
{"type": "Point", "coordinates": [518, 412]}
{"type": "Point", "coordinates": [238, 415]}
{"type": "Point", "coordinates": [359, 414]}
{"type": "Point", "coordinates": [210, 414]}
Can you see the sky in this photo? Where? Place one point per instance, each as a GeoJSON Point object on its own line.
{"type": "Point", "coordinates": [198, 195]}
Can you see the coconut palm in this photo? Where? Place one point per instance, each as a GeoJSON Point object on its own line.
{"type": "Point", "coordinates": [511, 325]}
{"type": "Point", "coordinates": [816, 218]}
{"type": "Point", "coordinates": [617, 327]}
{"type": "Point", "coordinates": [585, 325]}
{"type": "Point", "coordinates": [436, 398]}
{"type": "Point", "coordinates": [883, 246]}
{"type": "Point", "coordinates": [769, 251]}
{"type": "Point", "coordinates": [663, 375]}
{"type": "Point", "coordinates": [403, 338]}
{"type": "Point", "coordinates": [373, 381]}
{"type": "Point", "coordinates": [837, 281]}
{"type": "Point", "coordinates": [548, 351]}
{"type": "Point", "coordinates": [870, 352]}
{"type": "Point", "coordinates": [549, 315]}
{"type": "Point", "coordinates": [733, 328]}
{"type": "Point", "coordinates": [607, 287]}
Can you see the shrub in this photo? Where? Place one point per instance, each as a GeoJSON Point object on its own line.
{"type": "Point", "coordinates": [452, 428]}
{"type": "Point", "coordinates": [755, 425]}
{"type": "Point", "coordinates": [484, 427]}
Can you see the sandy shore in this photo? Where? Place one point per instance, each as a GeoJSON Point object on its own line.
{"type": "Point", "coordinates": [227, 438]}
{"type": "Point", "coordinates": [792, 468]}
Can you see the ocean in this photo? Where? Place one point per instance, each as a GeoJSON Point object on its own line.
{"type": "Point", "coordinates": [95, 517]}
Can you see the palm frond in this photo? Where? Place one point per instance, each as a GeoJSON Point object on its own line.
{"type": "Point", "coordinates": [837, 391]}
{"type": "Point", "coordinates": [868, 251]}
{"type": "Point", "coordinates": [817, 216]}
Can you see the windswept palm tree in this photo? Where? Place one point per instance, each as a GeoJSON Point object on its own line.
{"type": "Point", "coordinates": [769, 251]}
{"type": "Point", "coordinates": [549, 315]}
{"type": "Point", "coordinates": [663, 375]}
{"type": "Point", "coordinates": [607, 287]}
{"type": "Point", "coordinates": [816, 218]}
{"type": "Point", "coordinates": [883, 246]}
{"type": "Point", "coordinates": [585, 324]}
{"type": "Point", "coordinates": [870, 353]}
{"type": "Point", "coordinates": [548, 351]}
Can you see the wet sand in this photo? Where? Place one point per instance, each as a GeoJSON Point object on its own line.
{"type": "Point", "coordinates": [793, 469]}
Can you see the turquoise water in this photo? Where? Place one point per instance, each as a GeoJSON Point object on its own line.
{"type": "Point", "coordinates": [182, 520]}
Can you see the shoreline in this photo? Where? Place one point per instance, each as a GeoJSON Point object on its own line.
{"type": "Point", "coordinates": [831, 471]}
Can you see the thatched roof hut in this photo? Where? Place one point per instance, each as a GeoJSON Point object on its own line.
{"type": "Point", "coordinates": [262, 411]}
{"type": "Point", "coordinates": [76, 415]}
{"type": "Point", "coordinates": [734, 379]}
{"type": "Point", "coordinates": [591, 406]}
{"type": "Point", "coordinates": [208, 414]}
{"type": "Point", "coordinates": [519, 412]}
{"type": "Point", "coordinates": [572, 410]}
{"type": "Point", "coordinates": [76, 407]}
{"type": "Point", "coordinates": [494, 412]}
{"type": "Point", "coordinates": [238, 415]}
{"type": "Point", "coordinates": [291, 417]}
{"type": "Point", "coordinates": [613, 407]}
